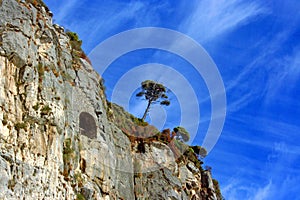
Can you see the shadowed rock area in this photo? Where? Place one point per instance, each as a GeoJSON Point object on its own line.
{"type": "Point", "coordinates": [87, 125]}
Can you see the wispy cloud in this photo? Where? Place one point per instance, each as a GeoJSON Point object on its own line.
{"type": "Point", "coordinates": [284, 187]}
{"type": "Point", "coordinates": [277, 179]}
{"type": "Point", "coordinates": [262, 193]}
{"type": "Point", "coordinates": [286, 73]}
{"type": "Point", "coordinates": [268, 130]}
{"type": "Point", "coordinates": [100, 22]}
{"type": "Point", "coordinates": [109, 18]}
{"type": "Point", "coordinates": [280, 171]}
{"type": "Point", "coordinates": [215, 19]}
{"type": "Point", "coordinates": [66, 9]}
{"type": "Point", "coordinates": [212, 18]}
{"type": "Point", "coordinates": [271, 72]}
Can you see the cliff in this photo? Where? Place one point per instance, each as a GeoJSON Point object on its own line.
{"type": "Point", "coordinates": [59, 138]}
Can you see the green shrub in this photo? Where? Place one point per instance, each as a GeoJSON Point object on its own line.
{"type": "Point", "coordinates": [78, 178]}
{"type": "Point", "coordinates": [74, 40]}
{"type": "Point", "coordinates": [68, 151]}
{"type": "Point", "coordinates": [11, 184]}
{"type": "Point", "coordinates": [46, 110]}
{"type": "Point", "coordinates": [138, 121]}
{"type": "Point", "coordinates": [41, 71]}
{"type": "Point", "coordinates": [73, 36]}
{"type": "Point", "coordinates": [68, 155]}
{"type": "Point", "coordinates": [182, 134]}
{"type": "Point", "coordinates": [181, 146]}
{"type": "Point", "coordinates": [20, 125]}
{"type": "Point", "coordinates": [217, 189]}
{"type": "Point", "coordinates": [36, 106]}
{"type": "Point", "coordinates": [193, 158]}
{"type": "Point", "coordinates": [80, 196]}
{"type": "Point", "coordinates": [191, 150]}
{"type": "Point", "coordinates": [200, 151]}
{"type": "Point", "coordinates": [76, 43]}
{"type": "Point", "coordinates": [4, 121]}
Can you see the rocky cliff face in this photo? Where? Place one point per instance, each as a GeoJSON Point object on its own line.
{"type": "Point", "coordinates": [56, 141]}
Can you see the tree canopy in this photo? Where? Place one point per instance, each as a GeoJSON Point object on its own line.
{"type": "Point", "coordinates": [200, 151]}
{"type": "Point", "coordinates": [153, 92]}
{"type": "Point", "coordinates": [182, 134]}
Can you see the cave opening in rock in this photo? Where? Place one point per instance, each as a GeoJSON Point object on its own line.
{"type": "Point", "coordinates": [87, 125]}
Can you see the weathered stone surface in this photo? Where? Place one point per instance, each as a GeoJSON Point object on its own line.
{"type": "Point", "coordinates": [172, 179]}
{"type": "Point", "coordinates": [124, 165]}
{"type": "Point", "coordinates": [185, 174]}
{"type": "Point", "coordinates": [208, 183]}
{"type": "Point", "coordinates": [192, 168]}
{"type": "Point", "coordinates": [156, 157]}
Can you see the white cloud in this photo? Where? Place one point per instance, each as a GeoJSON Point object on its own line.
{"type": "Point", "coordinates": [268, 71]}
{"type": "Point", "coordinates": [102, 22]}
{"type": "Point", "coordinates": [236, 190]}
{"type": "Point", "coordinates": [107, 19]}
{"type": "Point", "coordinates": [263, 193]}
{"type": "Point", "coordinates": [284, 187]}
{"type": "Point", "coordinates": [212, 18]}
{"type": "Point", "coordinates": [276, 178]}
{"type": "Point", "coordinates": [285, 74]}
{"type": "Point", "coordinates": [66, 8]}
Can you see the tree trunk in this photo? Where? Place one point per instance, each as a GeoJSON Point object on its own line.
{"type": "Point", "coordinates": [146, 111]}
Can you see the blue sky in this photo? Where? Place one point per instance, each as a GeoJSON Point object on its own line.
{"type": "Point", "coordinates": [256, 47]}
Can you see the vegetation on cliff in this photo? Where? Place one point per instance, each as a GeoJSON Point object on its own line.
{"type": "Point", "coordinates": [140, 133]}
{"type": "Point", "coordinates": [153, 92]}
